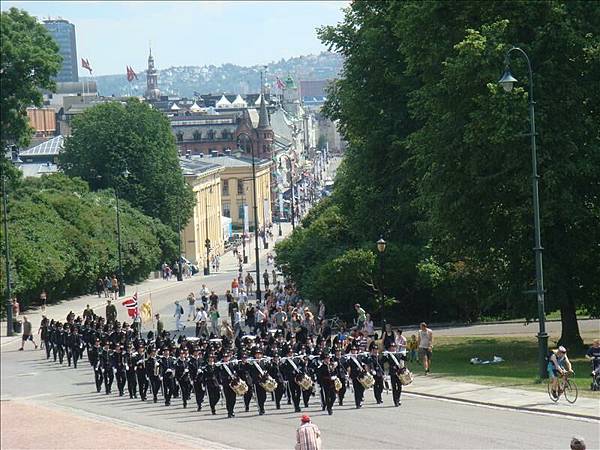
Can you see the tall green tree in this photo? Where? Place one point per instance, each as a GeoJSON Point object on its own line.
{"type": "Point", "coordinates": [110, 138]}
{"type": "Point", "coordinates": [29, 60]}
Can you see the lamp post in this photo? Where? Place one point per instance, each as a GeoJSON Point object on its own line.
{"type": "Point", "coordinates": [207, 240]}
{"type": "Point", "coordinates": [9, 312]}
{"type": "Point", "coordinates": [507, 81]}
{"type": "Point", "coordinates": [292, 189]}
{"type": "Point", "coordinates": [256, 251]}
{"type": "Point", "coordinates": [381, 249]}
{"type": "Point", "coordinates": [121, 277]}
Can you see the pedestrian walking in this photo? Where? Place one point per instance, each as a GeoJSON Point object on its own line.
{"type": "Point", "coordinates": [99, 286]}
{"type": "Point", "coordinates": [191, 306]}
{"type": "Point", "coordinates": [178, 313]}
{"type": "Point", "coordinates": [115, 286]}
{"type": "Point", "coordinates": [361, 317]}
{"type": "Point", "coordinates": [27, 336]}
{"type": "Point", "coordinates": [107, 287]}
{"type": "Point", "coordinates": [308, 435]}
{"type": "Point", "coordinates": [425, 346]}
{"type": "Point", "coordinates": [266, 278]}
{"type": "Point", "coordinates": [43, 299]}
{"type": "Point", "coordinates": [16, 308]}
{"type": "Point", "coordinates": [214, 320]}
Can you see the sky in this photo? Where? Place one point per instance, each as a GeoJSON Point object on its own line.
{"type": "Point", "coordinates": [113, 34]}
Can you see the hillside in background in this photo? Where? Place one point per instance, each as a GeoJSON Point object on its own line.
{"type": "Point", "coordinates": [229, 78]}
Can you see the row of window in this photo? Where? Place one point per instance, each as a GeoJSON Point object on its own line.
{"type": "Point", "coordinates": [240, 187]}
{"type": "Point", "coordinates": [210, 134]}
{"type": "Point", "coordinates": [227, 210]}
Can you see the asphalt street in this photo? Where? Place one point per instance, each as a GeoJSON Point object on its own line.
{"type": "Point", "coordinates": [419, 422]}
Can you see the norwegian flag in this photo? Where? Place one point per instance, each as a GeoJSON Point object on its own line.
{"type": "Point", "coordinates": [86, 65]}
{"type": "Point", "coordinates": [131, 303]}
{"type": "Point", "coordinates": [131, 74]}
{"type": "Point", "coordinates": [280, 84]}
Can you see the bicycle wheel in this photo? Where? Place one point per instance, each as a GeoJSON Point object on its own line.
{"type": "Point", "coordinates": [554, 397]}
{"type": "Point", "coordinates": [570, 391]}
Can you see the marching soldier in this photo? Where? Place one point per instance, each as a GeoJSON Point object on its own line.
{"type": "Point", "coordinates": [118, 361]}
{"type": "Point", "coordinates": [226, 376]}
{"type": "Point", "coordinates": [95, 362]}
{"type": "Point", "coordinates": [275, 372]}
{"type": "Point", "coordinates": [342, 374]}
{"type": "Point", "coordinates": [244, 373]}
{"type": "Point", "coordinates": [107, 367]}
{"type": "Point", "coordinates": [130, 373]}
{"type": "Point", "coordinates": [167, 366]}
{"type": "Point", "coordinates": [45, 335]}
{"type": "Point", "coordinates": [75, 344]}
{"type": "Point", "coordinates": [211, 380]}
{"type": "Point", "coordinates": [395, 367]}
{"type": "Point", "coordinates": [196, 372]}
{"type": "Point", "coordinates": [374, 363]}
{"type": "Point", "coordinates": [258, 372]}
{"type": "Point", "coordinates": [356, 371]}
{"type": "Point", "coordinates": [153, 372]}
{"type": "Point", "coordinates": [182, 374]}
{"type": "Point", "coordinates": [291, 371]}
{"type": "Point", "coordinates": [326, 374]}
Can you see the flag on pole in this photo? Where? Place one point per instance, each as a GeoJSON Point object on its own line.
{"type": "Point", "coordinates": [131, 74]}
{"type": "Point", "coordinates": [280, 84]}
{"type": "Point", "coordinates": [131, 303]}
{"type": "Point", "coordinates": [86, 65]}
{"type": "Point", "coordinates": [146, 311]}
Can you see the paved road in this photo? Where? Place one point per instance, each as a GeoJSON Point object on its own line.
{"type": "Point", "coordinates": [419, 422]}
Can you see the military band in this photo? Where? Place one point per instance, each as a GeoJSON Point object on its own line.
{"type": "Point", "coordinates": [269, 366]}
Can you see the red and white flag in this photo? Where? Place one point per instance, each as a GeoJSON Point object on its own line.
{"type": "Point", "coordinates": [280, 84]}
{"type": "Point", "coordinates": [131, 303]}
{"type": "Point", "coordinates": [131, 74]}
{"type": "Point", "coordinates": [86, 65]}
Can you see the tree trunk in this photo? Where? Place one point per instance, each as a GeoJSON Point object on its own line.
{"type": "Point", "coordinates": [570, 336]}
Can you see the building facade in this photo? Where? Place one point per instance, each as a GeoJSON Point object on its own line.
{"type": "Point", "coordinates": [63, 33]}
{"type": "Point", "coordinates": [205, 181]}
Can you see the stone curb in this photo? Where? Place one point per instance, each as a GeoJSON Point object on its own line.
{"type": "Point", "coordinates": [516, 408]}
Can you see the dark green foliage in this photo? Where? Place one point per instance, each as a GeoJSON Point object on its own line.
{"type": "Point", "coordinates": [111, 137]}
{"type": "Point", "coordinates": [438, 162]}
{"type": "Point", "coordinates": [63, 237]}
{"type": "Point", "coordinates": [29, 58]}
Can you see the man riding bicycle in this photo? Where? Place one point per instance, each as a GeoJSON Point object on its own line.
{"type": "Point", "coordinates": [593, 354]}
{"type": "Point", "coordinates": [558, 365]}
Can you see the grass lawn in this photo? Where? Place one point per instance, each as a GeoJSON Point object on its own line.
{"type": "Point", "coordinates": [451, 356]}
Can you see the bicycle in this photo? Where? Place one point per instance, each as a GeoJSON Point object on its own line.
{"type": "Point", "coordinates": [566, 387]}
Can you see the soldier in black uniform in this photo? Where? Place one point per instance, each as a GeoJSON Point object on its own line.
{"type": "Point", "coordinates": [129, 357]}
{"type": "Point", "coordinates": [107, 367]}
{"type": "Point", "coordinates": [182, 374]}
{"type": "Point", "coordinates": [326, 374]}
{"type": "Point", "coordinates": [45, 335]}
{"type": "Point", "coordinates": [275, 371]}
{"type": "Point", "coordinates": [153, 372]}
{"type": "Point", "coordinates": [67, 332]}
{"type": "Point", "coordinates": [258, 371]}
{"type": "Point", "coordinates": [291, 370]}
{"type": "Point", "coordinates": [118, 358]}
{"type": "Point", "coordinates": [308, 367]}
{"type": "Point", "coordinates": [196, 373]}
{"type": "Point", "coordinates": [244, 372]}
{"type": "Point", "coordinates": [226, 376]}
{"type": "Point", "coordinates": [375, 366]}
{"type": "Point", "coordinates": [342, 374]}
{"type": "Point", "coordinates": [139, 361]}
{"type": "Point", "coordinates": [211, 380]}
{"type": "Point", "coordinates": [95, 363]}
{"type": "Point", "coordinates": [76, 344]}
{"type": "Point", "coordinates": [395, 367]}
{"type": "Point", "coordinates": [357, 369]}
{"type": "Point", "coordinates": [167, 366]}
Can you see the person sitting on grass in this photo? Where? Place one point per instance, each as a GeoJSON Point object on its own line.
{"type": "Point", "coordinates": [558, 364]}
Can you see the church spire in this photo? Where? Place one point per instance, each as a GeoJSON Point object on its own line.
{"type": "Point", "coordinates": [263, 115]}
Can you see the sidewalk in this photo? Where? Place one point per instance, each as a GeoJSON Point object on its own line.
{"type": "Point", "coordinates": [441, 388]}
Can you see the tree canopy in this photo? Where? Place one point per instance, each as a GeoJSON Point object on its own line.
{"type": "Point", "coordinates": [109, 138]}
{"type": "Point", "coordinates": [439, 162]}
{"type": "Point", "coordinates": [29, 61]}
{"type": "Point", "coordinates": [63, 237]}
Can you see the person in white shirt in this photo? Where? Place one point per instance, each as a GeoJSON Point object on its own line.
{"type": "Point", "coordinates": [178, 313]}
{"type": "Point", "coordinates": [204, 294]}
{"type": "Point", "coordinates": [308, 435]}
{"type": "Point", "coordinates": [425, 345]}
{"type": "Point", "coordinates": [201, 320]}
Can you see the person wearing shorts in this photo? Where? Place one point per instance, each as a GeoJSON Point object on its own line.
{"type": "Point", "coordinates": [558, 364]}
{"type": "Point", "coordinates": [425, 346]}
{"type": "Point", "coordinates": [27, 336]}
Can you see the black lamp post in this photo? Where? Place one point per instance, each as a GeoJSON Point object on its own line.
{"type": "Point", "coordinates": [381, 249]}
{"type": "Point", "coordinates": [9, 312]}
{"type": "Point", "coordinates": [507, 81]}
{"type": "Point", "coordinates": [121, 277]}
{"type": "Point", "coordinates": [256, 251]}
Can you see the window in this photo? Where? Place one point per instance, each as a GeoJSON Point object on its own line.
{"type": "Point", "coordinates": [197, 135]}
{"type": "Point", "coordinates": [241, 212]}
{"type": "Point", "coordinates": [225, 187]}
{"type": "Point", "coordinates": [240, 187]}
{"type": "Point", "coordinates": [226, 209]}
{"type": "Point", "coordinates": [179, 136]}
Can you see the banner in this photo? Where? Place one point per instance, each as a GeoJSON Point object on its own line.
{"type": "Point", "coordinates": [266, 212]}
{"type": "Point", "coordinates": [280, 206]}
{"type": "Point", "coordinates": [246, 224]}
{"type": "Point", "coordinates": [146, 311]}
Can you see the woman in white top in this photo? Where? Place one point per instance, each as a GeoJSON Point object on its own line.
{"type": "Point", "coordinates": [369, 328]}
{"type": "Point", "coordinates": [400, 341]}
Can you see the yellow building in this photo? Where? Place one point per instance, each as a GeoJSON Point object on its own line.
{"type": "Point", "coordinates": [237, 189]}
{"type": "Point", "coordinates": [205, 180]}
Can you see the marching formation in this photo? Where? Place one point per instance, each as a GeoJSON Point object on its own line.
{"type": "Point", "coordinates": [213, 369]}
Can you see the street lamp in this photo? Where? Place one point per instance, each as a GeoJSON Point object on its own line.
{"type": "Point", "coordinates": [381, 249]}
{"type": "Point", "coordinates": [507, 82]}
{"type": "Point", "coordinates": [9, 316]}
{"type": "Point", "coordinates": [125, 174]}
{"type": "Point", "coordinates": [207, 241]}
{"type": "Point", "coordinates": [256, 251]}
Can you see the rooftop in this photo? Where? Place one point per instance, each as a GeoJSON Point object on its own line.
{"type": "Point", "coordinates": [50, 147]}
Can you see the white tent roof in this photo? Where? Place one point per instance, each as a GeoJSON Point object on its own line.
{"type": "Point", "coordinates": [174, 107]}
{"type": "Point", "coordinates": [223, 102]}
{"type": "Point", "coordinates": [257, 102]}
{"type": "Point", "coordinates": [239, 102]}
{"type": "Point", "coordinates": [195, 107]}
